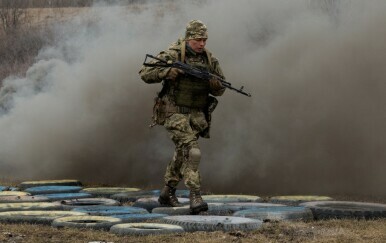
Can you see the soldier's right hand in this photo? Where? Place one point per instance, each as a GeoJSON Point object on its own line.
{"type": "Point", "coordinates": [173, 73]}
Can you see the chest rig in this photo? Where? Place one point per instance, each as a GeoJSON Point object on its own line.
{"type": "Point", "coordinates": [190, 91]}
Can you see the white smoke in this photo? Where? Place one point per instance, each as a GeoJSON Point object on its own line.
{"type": "Point", "coordinates": [314, 124]}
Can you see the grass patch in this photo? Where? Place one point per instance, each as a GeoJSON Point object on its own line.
{"type": "Point", "coordinates": [314, 231]}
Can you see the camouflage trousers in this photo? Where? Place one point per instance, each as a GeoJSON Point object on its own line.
{"type": "Point", "coordinates": [184, 130]}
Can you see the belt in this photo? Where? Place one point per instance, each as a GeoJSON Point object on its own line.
{"type": "Point", "coordinates": [186, 110]}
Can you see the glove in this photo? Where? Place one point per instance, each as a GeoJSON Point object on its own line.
{"type": "Point", "coordinates": [170, 73]}
{"type": "Point", "coordinates": [215, 84]}
{"type": "Point", "coordinates": [173, 73]}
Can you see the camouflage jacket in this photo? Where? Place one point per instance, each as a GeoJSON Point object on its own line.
{"type": "Point", "coordinates": [173, 53]}
{"type": "Point", "coordinates": [176, 52]}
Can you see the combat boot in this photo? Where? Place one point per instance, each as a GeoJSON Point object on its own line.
{"type": "Point", "coordinates": [197, 205]}
{"type": "Point", "coordinates": [168, 197]}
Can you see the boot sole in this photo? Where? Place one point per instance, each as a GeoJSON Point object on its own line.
{"type": "Point", "coordinates": [199, 209]}
{"type": "Point", "coordinates": [163, 202]}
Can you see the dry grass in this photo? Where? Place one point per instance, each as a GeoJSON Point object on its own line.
{"type": "Point", "coordinates": [315, 231]}
{"type": "Point", "coordinates": [298, 231]}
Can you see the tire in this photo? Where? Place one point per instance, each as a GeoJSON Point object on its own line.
{"type": "Point", "coordinates": [252, 205]}
{"type": "Point", "coordinates": [134, 196]}
{"type": "Point", "coordinates": [65, 196]}
{"type": "Point", "coordinates": [20, 199]}
{"type": "Point", "coordinates": [32, 206]}
{"type": "Point", "coordinates": [87, 202]}
{"type": "Point", "coordinates": [35, 217]}
{"type": "Point", "coordinates": [219, 209]}
{"type": "Point", "coordinates": [108, 191]}
{"type": "Point", "coordinates": [136, 218]}
{"type": "Point", "coordinates": [295, 200]}
{"type": "Point", "coordinates": [182, 193]}
{"type": "Point", "coordinates": [28, 184]}
{"type": "Point", "coordinates": [140, 229]}
{"type": "Point", "coordinates": [110, 210]}
{"type": "Point", "coordinates": [94, 222]}
{"type": "Point", "coordinates": [346, 210]}
{"type": "Point", "coordinates": [4, 188]}
{"type": "Point", "coordinates": [213, 223]}
{"type": "Point", "coordinates": [152, 202]}
{"type": "Point", "coordinates": [38, 190]}
{"type": "Point", "coordinates": [230, 198]}
{"type": "Point", "coordinates": [172, 210]}
{"type": "Point", "coordinates": [276, 213]}
{"type": "Point", "coordinates": [13, 193]}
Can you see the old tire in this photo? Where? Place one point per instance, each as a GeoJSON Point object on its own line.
{"type": "Point", "coordinates": [20, 199]}
{"type": "Point", "coordinates": [230, 198]}
{"type": "Point", "coordinates": [134, 196]}
{"type": "Point", "coordinates": [5, 207]}
{"type": "Point", "coordinates": [88, 202]}
{"type": "Point", "coordinates": [152, 202]}
{"type": "Point", "coordinates": [213, 223]}
{"type": "Point", "coordinates": [276, 213]}
{"type": "Point", "coordinates": [219, 209]}
{"type": "Point", "coordinates": [13, 193]}
{"type": "Point", "coordinates": [136, 218]}
{"type": "Point", "coordinates": [343, 209]}
{"type": "Point", "coordinates": [38, 190]}
{"type": "Point", "coordinates": [252, 205]}
{"type": "Point", "coordinates": [295, 200]}
{"type": "Point", "coordinates": [35, 217]}
{"type": "Point", "coordinates": [110, 210]}
{"type": "Point", "coordinates": [94, 222]}
{"type": "Point", "coordinates": [28, 184]}
{"type": "Point", "coordinates": [213, 209]}
{"type": "Point", "coordinates": [182, 193]}
{"type": "Point", "coordinates": [4, 188]}
{"type": "Point", "coordinates": [65, 196]}
{"type": "Point", "coordinates": [139, 229]}
{"type": "Point", "coordinates": [108, 191]}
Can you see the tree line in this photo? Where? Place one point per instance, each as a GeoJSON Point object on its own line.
{"type": "Point", "coordinates": [58, 3]}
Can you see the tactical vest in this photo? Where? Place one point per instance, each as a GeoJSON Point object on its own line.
{"type": "Point", "coordinates": [190, 91]}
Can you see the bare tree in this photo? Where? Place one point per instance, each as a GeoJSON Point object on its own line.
{"type": "Point", "coordinates": [12, 14]}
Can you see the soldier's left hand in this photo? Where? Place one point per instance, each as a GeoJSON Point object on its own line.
{"type": "Point", "coordinates": [215, 84]}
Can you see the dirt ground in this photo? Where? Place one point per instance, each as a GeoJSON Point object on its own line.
{"type": "Point", "coordinates": [296, 231]}
{"type": "Point", "coordinates": [315, 231]}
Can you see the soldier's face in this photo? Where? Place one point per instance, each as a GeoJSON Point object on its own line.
{"type": "Point", "coordinates": [197, 45]}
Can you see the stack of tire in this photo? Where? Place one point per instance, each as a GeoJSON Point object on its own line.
{"type": "Point", "coordinates": [65, 203]}
{"type": "Point", "coordinates": [323, 207]}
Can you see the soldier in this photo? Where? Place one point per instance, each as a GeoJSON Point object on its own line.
{"type": "Point", "coordinates": [184, 108]}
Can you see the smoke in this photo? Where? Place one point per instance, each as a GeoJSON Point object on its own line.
{"type": "Point", "coordinates": [315, 122]}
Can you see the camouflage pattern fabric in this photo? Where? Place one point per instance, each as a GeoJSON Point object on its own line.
{"type": "Point", "coordinates": [183, 129]}
{"type": "Point", "coordinates": [195, 29]}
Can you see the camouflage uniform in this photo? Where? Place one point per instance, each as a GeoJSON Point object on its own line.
{"type": "Point", "coordinates": [184, 103]}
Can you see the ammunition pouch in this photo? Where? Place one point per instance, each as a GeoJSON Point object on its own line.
{"type": "Point", "coordinates": [212, 104]}
{"type": "Point", "coordinates": [162, 109]}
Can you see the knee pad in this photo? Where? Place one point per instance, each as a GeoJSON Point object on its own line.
{"type": "Point", "coordinates": [195, 157]}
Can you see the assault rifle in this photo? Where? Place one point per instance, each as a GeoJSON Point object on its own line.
{"type": "Point", "coordinates": [192, 71]}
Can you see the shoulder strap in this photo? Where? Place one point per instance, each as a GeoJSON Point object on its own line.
{"type": "Point", "coordinates": [209, 56]}
{"type": "Point", "coordinates": [183, 50]}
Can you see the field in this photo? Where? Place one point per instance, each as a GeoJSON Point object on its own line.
{"type": "Point", "coordinates": [17, 51]}
{"type": "Point", "coordinates": [315, 231]}
{"type": "Point", "coordinates": [333, 230]}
